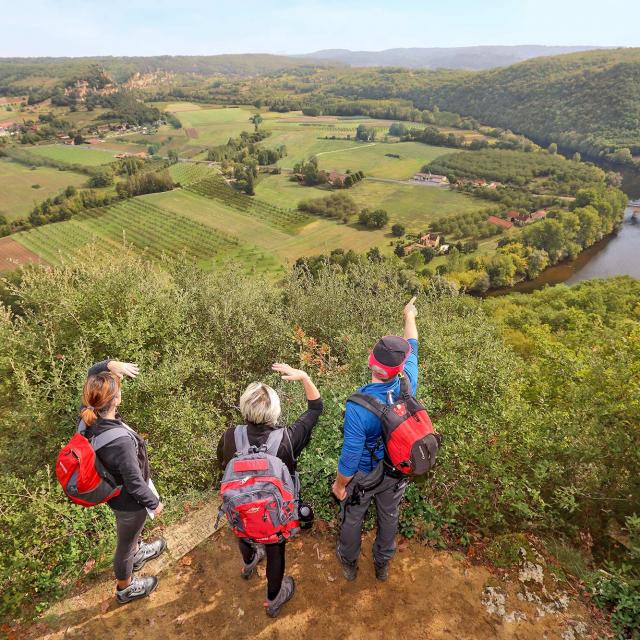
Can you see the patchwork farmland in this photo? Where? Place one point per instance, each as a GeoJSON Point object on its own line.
{"type": "Point", "coordinates": [209, 221]}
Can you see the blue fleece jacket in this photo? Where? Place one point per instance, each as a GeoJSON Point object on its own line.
{"type": "Point", "coordinates": [363, 427]}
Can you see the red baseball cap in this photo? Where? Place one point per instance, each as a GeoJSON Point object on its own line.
{"type": "Point", "coordinates": [389, 355]}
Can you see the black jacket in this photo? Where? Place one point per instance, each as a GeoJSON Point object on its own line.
{"type": "Point", "coordinates": [294, 441]}
{"type": "Point", "coordinates": [128, 463]}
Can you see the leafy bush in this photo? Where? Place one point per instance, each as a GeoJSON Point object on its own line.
{"type": "Point", "coordinates": [512, 384]}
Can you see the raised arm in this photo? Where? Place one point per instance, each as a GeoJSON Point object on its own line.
{"type": "Point", "coordinates": [410, 312]}
{"type": "Point", "coordinates": [300, 431]}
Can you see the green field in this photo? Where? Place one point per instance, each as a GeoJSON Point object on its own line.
{"type": "Point", "coordinates": [413, 205]}
{"type": "Point", "coordinates": [88, 156]}
{"type": "Point", "coordinates": [17, 195]}
{"type": "Point", "coordinates": [372, 158]}
{"type": "Point", "coordinates": [319, 236]}
{"type": "Point", "coordinates": [210, 126]}
{"type": "Point", "coordinates": [288, 220]}
{"type": "Point", "coordinates": [186, 172]}
{"type": "Point", "coordinates": [135, 222]}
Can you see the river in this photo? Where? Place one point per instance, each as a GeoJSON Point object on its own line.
{"type": "Point", "coordinates": [618, 254]}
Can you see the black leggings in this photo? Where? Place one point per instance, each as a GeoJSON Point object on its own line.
{"type": "Point", "coordinates": [275, 564]}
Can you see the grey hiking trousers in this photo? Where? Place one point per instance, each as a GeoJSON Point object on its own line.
{"type": "Point", "coordinates": [387, 496]}
{"type": "Point", "coordinates": [129, 525]}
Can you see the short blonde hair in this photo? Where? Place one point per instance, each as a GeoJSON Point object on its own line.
{"type": "Point", "coordinates": [260, 404]}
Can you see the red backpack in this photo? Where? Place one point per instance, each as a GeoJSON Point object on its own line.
{"type": "Point", "coordinates": [259, 495]}
{"type": "Point", "coordinates": [82, 476]}
{"type": "Point", "coordinates": [410, 442]}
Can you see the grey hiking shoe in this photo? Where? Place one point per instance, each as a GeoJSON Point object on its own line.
{"type": "Point", "coordinates": [139, 588]}
{"type": "Point", "coordinates": [272, 607]}
{"type": "Point", "coordinates": [148, 551]}
{"type": "Point", "coordinates": [350, 570]}
{"type": "Point", "coordinates": [247, 569]}
{"type": "Point", "coordinates": [382, 571]}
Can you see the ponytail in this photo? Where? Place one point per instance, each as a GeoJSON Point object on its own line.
{"type": "Point", "coordinates": [97, 395]}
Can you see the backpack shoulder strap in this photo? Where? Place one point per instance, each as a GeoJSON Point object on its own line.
{"type": "Point", "coordinates": [274, 441]}
{"type": "Point", "coordinates": [241, 438]}
{"type": "Point", "coordinates": [405, 386]}
{"type": "Point", "coordinates": [109, 436]}
{"type": "Point", "coordinates": [368, 402]}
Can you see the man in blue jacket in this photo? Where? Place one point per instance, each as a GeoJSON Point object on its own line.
{"type": "Point", "coordinates": [358, 470]}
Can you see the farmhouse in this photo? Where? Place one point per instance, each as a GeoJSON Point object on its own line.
{"type": "Point", "coordinates": [499, 222]}
{"type": "Point", "coordinates": [431, 240]}
{"type": "Point", "coordinates": [5, 127]}
{"type": "Point", "coordinates": [526, 218]}
{"type": "Point", "coordinates": [336, 179]}
{"type": "Point", "coordinates": [431, 178]}
{"type": "Point", "coordinates": [139, 154]}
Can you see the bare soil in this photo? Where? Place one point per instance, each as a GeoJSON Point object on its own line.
{"type": "Point", "coordinates": [14, 255]}
{"type": "Point", "coordinates": [430, 595]}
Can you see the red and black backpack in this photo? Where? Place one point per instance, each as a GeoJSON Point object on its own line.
{"type": "Point", "coordinates": [82, 476]}
{"type": "Point", "coordinates": [410, 442]}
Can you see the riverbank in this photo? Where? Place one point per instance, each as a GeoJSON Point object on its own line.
{"type": "Point", "coordinates": [615, 255]}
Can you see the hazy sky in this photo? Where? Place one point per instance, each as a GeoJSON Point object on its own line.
{"type": "Point", "coordinates": [152, 27]}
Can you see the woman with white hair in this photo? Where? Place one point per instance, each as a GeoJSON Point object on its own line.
{"type": "Point", "coordinates": [260, 408]}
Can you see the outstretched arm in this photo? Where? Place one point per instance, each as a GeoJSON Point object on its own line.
{"type": "Point", "coordinates": [410, 312]}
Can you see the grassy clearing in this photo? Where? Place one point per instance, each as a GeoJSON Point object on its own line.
{"type": "Point", "coordinates": [17, 195]}
{"type": "Point", "coordinates": [83, 154]}
{"type": "Point", "coordinates": [281, 191]}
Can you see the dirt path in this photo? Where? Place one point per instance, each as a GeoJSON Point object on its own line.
{"type": "Point", "coordinates": [360, 146]}
{"type": "Point", "coordinates": [429, 596]}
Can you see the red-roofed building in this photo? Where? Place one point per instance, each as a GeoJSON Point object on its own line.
{"type": "Point", "coordinates": [539, 214]}
{"type": "Point", "coordinates": [505, 224]}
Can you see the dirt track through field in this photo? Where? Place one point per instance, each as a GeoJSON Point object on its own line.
{"type": "Point", "coordinates": [429, 596]}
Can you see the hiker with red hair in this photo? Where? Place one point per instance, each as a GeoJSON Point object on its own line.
{"type": "Point", "coordinates": [123, 454]}
{"type": "Point", "coordinates": [365, 473]}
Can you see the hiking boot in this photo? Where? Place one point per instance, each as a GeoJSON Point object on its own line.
{"type": "Point", "coordinates": [139, 588]}
{"type": "Point", "coordinates": [247, 569]}
{"type": "Point", "coordinates": [382, 571]}
{"type": "Point", "coordinates": [272, 607]}
{"type": "Point", "coordinates": [349, 569]}
{"type": "Point", "coordinates": [148, 551]}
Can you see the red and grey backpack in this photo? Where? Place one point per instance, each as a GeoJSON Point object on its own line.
{"type": "Point", "coordinates": [259, 495]}
{"type": "Point", "coordinates": [82, 476]}
{"type": "Point", "coordinates": [410, 442]}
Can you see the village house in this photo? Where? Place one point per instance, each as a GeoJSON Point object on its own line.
{"type": "Point", "coordinates": [526, 218]}
{"type": "Point", "coordinates": [499, 222]}
{"type": "Point", "coordinates": [336, 179]}
{"type": "Point", "coordinates": [432, 179]}
{"type": "Point", "coordinates": [6, 127]}
{"type": "Point", "coordinates": [431, 240]}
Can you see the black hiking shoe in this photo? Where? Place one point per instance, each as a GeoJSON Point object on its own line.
{"type": "Point", "coordinates": [349, 569]}
{"type": "Point", "coordinates": [247, 569]}
{"type": "Point", "coordinates": [148, 551]}
{"type": "Point", "coordinates": [272, 607]}
{"type": "Point", "coordinates": [382, 571]}
{"type": "Point", "coordinates": [139, 588]}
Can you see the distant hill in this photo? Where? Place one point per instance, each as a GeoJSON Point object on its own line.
{"type": "Point", "coordinates": [587, 101]}
{"type": "Point", "coordinates": [473, 58]}
{"type": "Point", "coordinates": [36, 73]}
